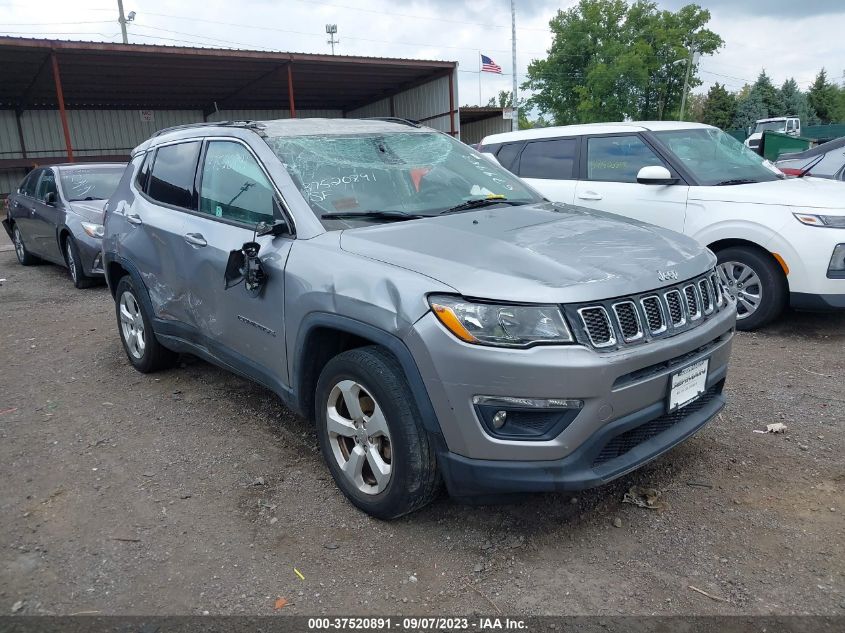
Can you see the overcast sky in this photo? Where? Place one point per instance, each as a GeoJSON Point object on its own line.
{"type": "Point", "coordinates": [787, 38]}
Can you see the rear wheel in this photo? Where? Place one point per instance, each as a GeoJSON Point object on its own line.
{"type": "Point", "coordinates": [372, 436]}
{"type": "Point", "coordinates": [25, 258]}
{"type": "Point", "coordinates": [754, 279]}
{"type": "Point", "coordinates": [134, 324]}
{"type": "Point", "coordinates": [74, 265]}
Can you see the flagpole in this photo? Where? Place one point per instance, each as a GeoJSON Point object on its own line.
{"type": "Point", "coordinates": [479, 80]}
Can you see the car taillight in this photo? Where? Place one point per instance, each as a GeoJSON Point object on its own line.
{"type": "Point", "coordinates": [791, 171]}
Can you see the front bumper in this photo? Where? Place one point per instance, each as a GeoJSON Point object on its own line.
{"type": "Point", "coordinates": [614, 450]}
{"type": "Point", "coordinates": [91, 253]}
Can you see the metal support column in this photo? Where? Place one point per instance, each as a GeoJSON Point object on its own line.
{"type": "Point", "coordinates": [290, 92]}
{"type": "Point", "coordinates": [60, 96]}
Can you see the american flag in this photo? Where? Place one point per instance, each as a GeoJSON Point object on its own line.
{"type": "Point", "coordinates": [489, 66]}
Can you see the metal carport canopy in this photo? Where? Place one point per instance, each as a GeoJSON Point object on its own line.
{"type": "Point", "coordinates": [114, 76]}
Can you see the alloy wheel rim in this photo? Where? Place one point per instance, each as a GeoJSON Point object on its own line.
{"type": "Point", "coordinates": [742, 283]}
{"type": "Point", "coordinates": [71, 262]}
{"type": "Point", "coordinates": [359, 437]}
{"type": "Point", "coordinates": [132, 325]}
{"type": "Point", "coordinates": [18, 245]}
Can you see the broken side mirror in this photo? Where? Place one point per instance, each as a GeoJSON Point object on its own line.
{"type": "Point", "coordinates": [245, 266]}
{"type": "Point", "coordinates": [50, 199]}
{"type": "Point", "coordinates": [276, 228]}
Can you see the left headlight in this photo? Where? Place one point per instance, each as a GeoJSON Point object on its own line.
{"type": "Point", "coordinates": [501, 325]}
{"type": "Point", "coordinates": [94, 230]}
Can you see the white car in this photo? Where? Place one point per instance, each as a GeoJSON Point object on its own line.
{"type": "Point", "coordinates": [779, 241]}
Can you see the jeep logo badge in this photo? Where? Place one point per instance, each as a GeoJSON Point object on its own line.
{"type": "Point", "coordinates": [667, 275]}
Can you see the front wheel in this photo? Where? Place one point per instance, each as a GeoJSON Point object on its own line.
{"type": "Point", "coordinates": [372, 436]}
{"type": "Point", "coordinates": [134, 324]}
{"type": "Point", "coordinates": [754, 279]}
{"type": "Point", "coordinates": [74, 265]}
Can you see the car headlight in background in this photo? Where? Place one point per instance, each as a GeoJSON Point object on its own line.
{"type": "Point", "coordinates": [93, 230]}
{"type": "Point", "coordinates": [836, 268]}
{"type": "Point", "coordinates": [810, 219]}
{"type": "Point", "coordinates": [501, 325]}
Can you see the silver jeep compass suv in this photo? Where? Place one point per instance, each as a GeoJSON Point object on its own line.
{"type": "Point", "coordinates": [436, 317]}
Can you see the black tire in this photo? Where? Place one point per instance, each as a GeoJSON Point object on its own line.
{"type": "Point", "coordinates": [154, 355]}
{"type": "Point", "coordinates": [25, 258]}
{"type": "Point", "coordinates": [414, 479]}
{"type": "Point", "coordinates": [773, 286]}
{"type": "Point", "coordinates": [74, 264]}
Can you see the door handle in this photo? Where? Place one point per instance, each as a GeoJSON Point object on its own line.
{"type": "Point", "coordinates": [589, 195]}
{"type": "Point", "coordinates": [195, 239]}
{"type": "Point", "coordinates": [133, 218]}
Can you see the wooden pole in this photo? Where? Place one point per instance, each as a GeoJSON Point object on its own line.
{"type": "Point", "coordinates": [290, 92]}
{"type": "Point", "coordinates": [60, 96]}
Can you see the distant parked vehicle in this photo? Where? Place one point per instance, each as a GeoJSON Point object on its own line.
{"type": "Point", "coordinates": [785, 124]}
{"type": "Point", "coordinates": [823, 161]}
{"type": "Point", "coordinates": [780, 241]}
{"type": "Point", "coordinates": [56, 215]}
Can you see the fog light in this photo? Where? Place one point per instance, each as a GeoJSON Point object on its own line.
{"type": "Point", "coordinates": [836, 268]}
{"type": "Point", "coordinates": [499, 419]}
{"type": "Point", "coordinates": [525, 419]}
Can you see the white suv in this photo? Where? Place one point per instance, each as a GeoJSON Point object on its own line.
{"type": "Point", "coordinates": [779, 241]}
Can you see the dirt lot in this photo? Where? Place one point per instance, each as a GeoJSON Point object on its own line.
{"type": "Point", "coordinates": [130, 494]}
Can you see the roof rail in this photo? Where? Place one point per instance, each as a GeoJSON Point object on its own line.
{"type": "Point", "coordinates": [394, 119]}
{"type": "Point", "coordinates": [187, 126]}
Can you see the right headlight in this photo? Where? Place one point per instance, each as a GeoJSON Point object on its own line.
{"type": "Point", "coordinates": [501, 325]}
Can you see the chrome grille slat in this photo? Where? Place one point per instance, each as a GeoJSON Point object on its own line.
{"type": "Point", "coordinates": [676, 307]}
{"type": "Point", "coordinates": [654, 314]}
{"type": "Point", "coordinates": [693, 305]}
{"type": "Point", "coordinates": [597, 325]}
{"type": "Point", "coordinates": [628, 320]}
{"type": "Point", "coordinates": [706, 296]}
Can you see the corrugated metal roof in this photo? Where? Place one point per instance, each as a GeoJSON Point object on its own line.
{"type": "Point", "coordinates": [108, 75]}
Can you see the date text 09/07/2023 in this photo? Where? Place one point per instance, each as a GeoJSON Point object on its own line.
{"type": "Point", "coordinates": [416, 623]}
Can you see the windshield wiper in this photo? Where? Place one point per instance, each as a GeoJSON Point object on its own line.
{"type": "Point", "coordinates": [736, 181]}
{"type": "Point", "coordinates": [477, 203]}
{"type": "Point", "coordinates": [371, 215]}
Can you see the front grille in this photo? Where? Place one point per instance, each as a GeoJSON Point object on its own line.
{"type": "Point", "coordinates": [654, 314]}
{"type": "Point", "coordinates": [693, 308]}
{"type": "Point", "coordinates": [629, 320]}
{"type": "Point", "coordinates": [636, 319]}
{"type": "Point", "coordinates": [706, 298]}
{"type": "Point", "coordinates": [676, 308]}
{"type": "Point", "coordinates": [624, 442]}
{"type": "Point", "coordinates": [597, 325]}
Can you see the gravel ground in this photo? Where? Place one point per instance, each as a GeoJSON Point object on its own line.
{"type": "Point", "coordinates": [193, 490]}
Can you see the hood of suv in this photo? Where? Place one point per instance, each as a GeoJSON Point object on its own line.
{"type": "Point", "coordinates": [816, 193]}
{"type": "Point", "coordinates": [89, 210]}
{"type": "Point", "coordinates": [534, 253]}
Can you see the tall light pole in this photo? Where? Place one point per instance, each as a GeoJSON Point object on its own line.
{"type": "Point", "coordinates": [690, 61]}
{"type": "Point", "coordinates": [331, 29]}
{"type": "Point", "coordinates": [515, 110]}
{"type": "Point", "coordinates": [122, 20]}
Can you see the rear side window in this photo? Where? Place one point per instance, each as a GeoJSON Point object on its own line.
{"type": "Point", "coordinates": [618, 158]}
{"type": "Point", "coordinates": [47, 184]}
{"type": "Point", "coordinates": [507, 155]}
{"type": "Point", "coordinates": [144, 173]}
{"type": "Point", "coordinates": [172, 175]}
{"type": "Point", "coordinates": [28, 185]}
{"type": "Point", "coordinates": [234, 186]}
{"type": "Point", "coordinates": [551, 160]}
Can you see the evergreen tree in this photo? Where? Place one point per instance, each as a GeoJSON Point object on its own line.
{"type": "Point", "coordinates": [749, 109]}
{"type": "Point", "coordinates": [719, 107]}
{"type": "Point", "coordinates": [796, 102]}
{"type": "Point", "coordinates": [823, 97]}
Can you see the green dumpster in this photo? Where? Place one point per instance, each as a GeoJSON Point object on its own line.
{"type": "Point", "coordinates": [774, 144]}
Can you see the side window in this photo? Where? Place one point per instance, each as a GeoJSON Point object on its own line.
{"type": "Point", "coordinates": [144, 173]}
{"type": "Point", "coordinates": [507, 155]}
{"type": "Point", "coordinates": [233, 185]}
{"type": "Point", "coordinates": [47, 184]}
{"type": "Point", "coordinates": [553, 160]}
{"type": "Point", "coordinates": [28, 185]}
{"type": "Point", "coordinates": [172, 175]}
{"type": "Point", "coordinates": [618, 158]}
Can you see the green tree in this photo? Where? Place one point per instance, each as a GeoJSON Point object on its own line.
{"type": "Point", "coordinates": [719, 107]}
{"type": "Point", "coordinates": [769, 94]}
{"type": "Point", "coordinates": [749, 108]}
{"type": "Point", "coordinates": [610, 61]}
{"type": "Point", "coordinates": [796, 102]}
{"type": "Point", "coordinates": [823, 97]}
